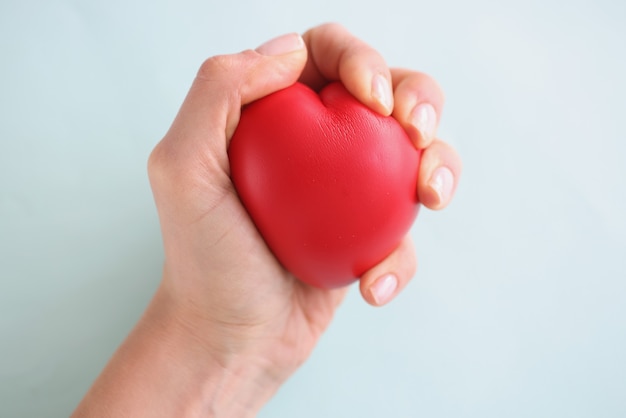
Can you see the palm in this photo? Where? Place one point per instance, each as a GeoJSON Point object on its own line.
{"type": "Point", "coordinates": [291, 313]}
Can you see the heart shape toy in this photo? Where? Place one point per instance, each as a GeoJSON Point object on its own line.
{"type": "Point", "coordinates": [329, 183]}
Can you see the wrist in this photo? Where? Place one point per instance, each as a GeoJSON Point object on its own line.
{"type": "Point", "coordinates": [218, 374]}
{"type": "Point", "coordinates": [164, 368]}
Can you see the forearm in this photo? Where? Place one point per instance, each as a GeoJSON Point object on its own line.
{"type": "Point", "coordinates": [164, 370]}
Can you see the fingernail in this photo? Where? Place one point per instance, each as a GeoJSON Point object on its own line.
{"type": "Point", "coordinates": [381, 92]}
{"type": "Point", "coordinates": [424, 118]}
{"type": "Point", "coordinates": [442, 183]}
{"type": "Point", "coordinates": [384, 288]}
{"type": "Point", "coordinates": [282, 45]}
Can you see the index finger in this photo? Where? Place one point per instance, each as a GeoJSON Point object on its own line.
{"type": "Point", "coordinates": [337, 55]}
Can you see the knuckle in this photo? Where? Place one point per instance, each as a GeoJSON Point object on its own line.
{"type": "Point", "coordinates": [170, 174]}
{"type": "Point", "coordinates": [413, 267]}
{"type": "Point", "coordinates": [222, 68]}
{"type": "Point", "coordinates": [421, 80]}
{"type": "Point", "coordinates": [333, 27]}
{"type": "Point", "coordinates": [170, 165]}
{"type": "Point", "coordinates": [158, 162]}
{"type": "Point", "coordinates": [214, 66]}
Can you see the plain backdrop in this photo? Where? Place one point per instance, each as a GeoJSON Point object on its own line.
{"type": "Point", "coordinates": [519, 305]}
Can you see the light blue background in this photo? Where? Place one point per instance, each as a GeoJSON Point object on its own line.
{"type": "Point", "coordinates": [519, 305]}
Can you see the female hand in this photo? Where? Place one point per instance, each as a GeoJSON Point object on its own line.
{"type": "Point", "coordinates": [229, 324]}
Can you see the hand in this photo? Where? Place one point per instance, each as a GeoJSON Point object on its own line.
{"type": "Point", "coordinates": [232, 320]}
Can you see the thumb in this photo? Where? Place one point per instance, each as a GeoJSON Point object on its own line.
{"type": "Point", "coordinates": [194, 150]}
{"type": "Point", "coordinates": [225, 83]}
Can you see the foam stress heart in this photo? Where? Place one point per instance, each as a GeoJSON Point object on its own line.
{"type": "Point", "coordinates": [330, 184]}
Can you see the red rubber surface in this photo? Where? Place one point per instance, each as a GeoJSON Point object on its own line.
{"type": "Point", "coordinates": [330, 184]}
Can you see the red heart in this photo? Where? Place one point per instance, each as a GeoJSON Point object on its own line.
{"type": "Point", "coordinates": [330, 184]}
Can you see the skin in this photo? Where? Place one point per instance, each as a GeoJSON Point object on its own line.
{"type": "Point", "coordinates": [228, 324]}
